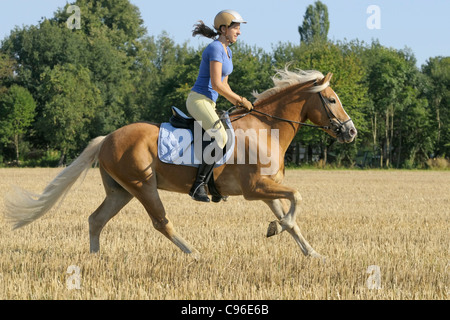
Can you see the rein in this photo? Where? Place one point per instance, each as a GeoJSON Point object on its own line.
{"type": "Point", "coordinates": [291, 121]}
{"type": "Point", "coordinates": [273, 117]}
{"type": "Point", "coordinates": [325, 105]}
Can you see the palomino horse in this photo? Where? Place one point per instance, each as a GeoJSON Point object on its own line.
{"type": "Point", "coordinates": [130, 166]}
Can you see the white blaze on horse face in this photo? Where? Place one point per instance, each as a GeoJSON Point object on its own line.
{"type": "Point", "coordinates": [350, 130]}
{"type": "Point", "coordinates": [342, 106]}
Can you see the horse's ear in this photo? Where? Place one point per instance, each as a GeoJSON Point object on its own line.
{"type": "Point", "coordinates": [326, 79]}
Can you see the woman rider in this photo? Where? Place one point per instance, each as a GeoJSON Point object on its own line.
{"type": "Point", "coordinates": [212, 80]}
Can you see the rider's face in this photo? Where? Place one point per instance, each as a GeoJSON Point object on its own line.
{"type": "Point", "coordinates": [233, 32]}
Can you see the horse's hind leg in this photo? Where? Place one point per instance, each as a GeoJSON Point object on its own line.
{"type": "Point", "coordinates": [116, 198]}
{"type": "Point", "coordinates": [149, 197]}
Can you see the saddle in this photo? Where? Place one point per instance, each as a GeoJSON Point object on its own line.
{"type": "Point", "coordinates": [181, 121]}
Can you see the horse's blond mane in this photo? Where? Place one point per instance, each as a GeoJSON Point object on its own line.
{"type": "Point", "coordinates": [285, 78]}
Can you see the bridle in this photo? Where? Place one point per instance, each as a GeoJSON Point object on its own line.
{"type": "Point", "coordinates": [337, 128]}
{"type": "Point", "coordinates": [335, 124]}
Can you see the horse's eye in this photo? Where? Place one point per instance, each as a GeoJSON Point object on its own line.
{"type": "Point", "coordinates": [332, 100]}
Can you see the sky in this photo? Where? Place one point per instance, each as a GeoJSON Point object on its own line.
{"type": "Point", "coordinates": [421, 25]}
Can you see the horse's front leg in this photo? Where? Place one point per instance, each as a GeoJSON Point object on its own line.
{"type": "Point", "coordinates": [272, 193]}
{"type": "Point", "coordinates": [287, 222]}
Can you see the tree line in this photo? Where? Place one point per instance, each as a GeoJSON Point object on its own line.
{"type": "Point", "coordinates": [61, 87]}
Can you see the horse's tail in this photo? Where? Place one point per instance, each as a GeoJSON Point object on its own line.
{"type": "Point", "coordinates": [23, 207]}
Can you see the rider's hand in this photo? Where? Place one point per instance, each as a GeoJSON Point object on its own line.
{"type": "Point", "coordinates": [244, 103]}
{"type": "Point", "coordinates": [247, 104]}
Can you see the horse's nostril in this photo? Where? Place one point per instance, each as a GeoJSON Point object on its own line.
{"type": "Point", "coordinates": [353, 132]}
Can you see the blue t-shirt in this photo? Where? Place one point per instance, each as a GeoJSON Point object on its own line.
{"type": "Point", "coordinates": [213, 52]}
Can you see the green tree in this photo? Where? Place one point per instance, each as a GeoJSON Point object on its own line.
{"type": "Point", "coordinates": [107, 46]}
{"type": "Point", "coordinates": [38, 49]}
{"type": "Point", "coordinates": [413, 134]}
{"type": "Point", "coordinates": [72, 101]}
{"type": "Point", "coordinates": [167, 78]}
{"type": "Point", "coordinates": [119, 20]}
{"type": "Point", "coordinates": [17, 111]}
{"type": "Point", "coordinates": [46, 45]}
{"type": "Point", "coordinates": [394, 81]}
{"type": "Point", "coordinates": [7, 66]}
{"type": "Point", "coordinates": [315, 23]}
{"type": "Point", "coordinates": [437, 91]}
{"type": "Point", "coordinates": [253, 71]}
{"type": "Point", "coordinates": [113, 29]}
{"type": "Point", "coordinates": [111, 71]}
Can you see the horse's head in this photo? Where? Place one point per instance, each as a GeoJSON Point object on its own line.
{"type": "Point", "coordinates": [325, 109]}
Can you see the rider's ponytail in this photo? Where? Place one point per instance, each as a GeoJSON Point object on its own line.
{"type": "Point", "coordinates": [204, 30]}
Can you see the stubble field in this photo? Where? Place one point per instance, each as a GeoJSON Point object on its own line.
{"type": "Point", "coordinates": [388, 227]}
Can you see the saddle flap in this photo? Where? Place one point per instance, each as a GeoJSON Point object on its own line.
{"type": "Point", "coordinates": [180, 120]}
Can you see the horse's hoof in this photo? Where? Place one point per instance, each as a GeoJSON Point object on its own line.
{"type": "Point", "coordinates": [196, 255]}
{"type": "Point", "coordinates": [315, 255]}
{"type": "Point", "coordinates": [274, 229]}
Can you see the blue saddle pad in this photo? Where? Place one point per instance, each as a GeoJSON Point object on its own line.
{"type": "Point", "coordinates": [177, 146]}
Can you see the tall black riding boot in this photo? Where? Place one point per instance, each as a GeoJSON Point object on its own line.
{"type": "Point", "coordinates": [198, 191]}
